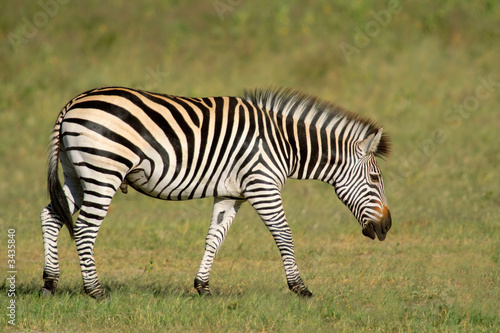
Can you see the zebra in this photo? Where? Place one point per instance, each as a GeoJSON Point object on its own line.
{"type": "Point", "coordinates": [234, 149]}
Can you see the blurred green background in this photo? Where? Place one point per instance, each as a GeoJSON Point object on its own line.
{"type": "Point", "coordinates": [428, 71]}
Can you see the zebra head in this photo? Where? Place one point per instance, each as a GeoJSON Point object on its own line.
{"type": "Point", "coordinates": [361, 187]}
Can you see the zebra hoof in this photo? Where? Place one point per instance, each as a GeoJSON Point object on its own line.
{"type": "Point", "coordinates": [202, 288]}
{"type": "Point", "coordinates": [204, 293]}
{"type": "Point", "coordinates": [97, 294]}
{"type": "Point", "coordinates": [105, 298]}
{"type": "Point", "coordinates": [305, 293]}
{"type": "Point", "coordinates": [46, 293]}
{"type": "Point", "coordinates": [300, 290]}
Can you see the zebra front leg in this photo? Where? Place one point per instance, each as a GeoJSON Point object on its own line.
{"type": "Point", "coordinates": [269, 206]}
{"type": "Point", "coordinates": [223, 213]}
{"type": "Point", "coordinates": [51, 225]}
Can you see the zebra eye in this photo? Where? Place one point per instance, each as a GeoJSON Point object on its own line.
{"type": "Point", "coordinates": [374, 177]}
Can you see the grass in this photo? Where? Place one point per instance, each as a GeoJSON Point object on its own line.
{"type": "Point", "coordinates": [422, 76]}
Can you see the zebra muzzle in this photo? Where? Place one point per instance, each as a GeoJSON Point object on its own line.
{"type": "Point", "coordinates": [378, 228]}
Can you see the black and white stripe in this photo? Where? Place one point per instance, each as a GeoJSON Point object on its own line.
{"type": "Point", "coordinates": [233, 149]}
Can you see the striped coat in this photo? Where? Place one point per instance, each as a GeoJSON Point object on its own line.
{"type": "Point", "coordinates": [230, 148]}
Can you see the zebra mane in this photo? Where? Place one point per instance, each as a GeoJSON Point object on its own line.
{"type": "Point", "coordinates": [297, 104]}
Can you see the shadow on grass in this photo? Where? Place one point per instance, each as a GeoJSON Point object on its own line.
{"type": "Point", "coordinates": [134, 285]}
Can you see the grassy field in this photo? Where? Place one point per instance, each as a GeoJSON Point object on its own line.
{"type": "Point", "coordinates": [428, 71]}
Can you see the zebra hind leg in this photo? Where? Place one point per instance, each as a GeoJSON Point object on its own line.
{"type": "Point", "coordinates": [51, 226]}
{"type": "Point", "coordinates": [93, 211]}
{"type": "Point", "coordinates": [223, 213]}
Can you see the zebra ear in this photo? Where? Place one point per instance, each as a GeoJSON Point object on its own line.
{"type": "Point", "coordinates": [370, 144]}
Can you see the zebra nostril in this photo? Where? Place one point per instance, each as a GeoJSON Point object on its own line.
{"type": "Point", "coordinates": [387, 222]}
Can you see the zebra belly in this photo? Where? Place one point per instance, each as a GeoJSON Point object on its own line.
{"type": "Point", "coordinates": [139, 180]}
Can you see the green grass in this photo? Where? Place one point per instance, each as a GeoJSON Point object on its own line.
{"type": "Point", "coordinates": [421, 75]}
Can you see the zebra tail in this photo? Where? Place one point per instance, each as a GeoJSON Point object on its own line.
{"type": "Point", "coordinates": [58, 199]}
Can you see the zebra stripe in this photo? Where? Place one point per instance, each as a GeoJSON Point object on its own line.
{"type": "Point", "coordinates": [230, 148]}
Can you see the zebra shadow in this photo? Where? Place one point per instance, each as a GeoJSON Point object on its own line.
{"type": "Point", "coordinates": [115, 289]}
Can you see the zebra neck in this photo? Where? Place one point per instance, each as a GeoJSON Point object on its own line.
{"type": "Point", "coordinates": [322, 146]}
{"type": "Point", "coordinates": [321, 136]}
